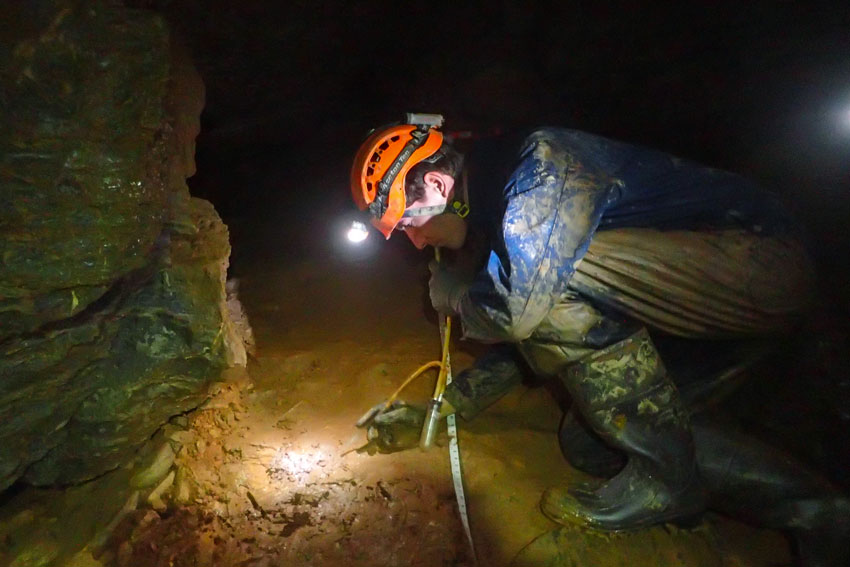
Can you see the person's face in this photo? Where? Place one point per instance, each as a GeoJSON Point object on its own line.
{"type": "Point", "coordinates": [446, 230]}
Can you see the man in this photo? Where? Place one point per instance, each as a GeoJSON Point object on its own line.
{"type": "Point", "coordinates": [583, 244]}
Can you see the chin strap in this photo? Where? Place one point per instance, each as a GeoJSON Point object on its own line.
{"type": "Point", "coordinates": [459, 208]}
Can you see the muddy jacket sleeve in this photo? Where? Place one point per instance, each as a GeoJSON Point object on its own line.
{"type": "Point", "coordinates": [492, 376]}
{"type": "Point", "coordinates": [552, 205]}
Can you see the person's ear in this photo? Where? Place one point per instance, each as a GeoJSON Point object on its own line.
{"type": "Point", "coordinates": [437, 180]}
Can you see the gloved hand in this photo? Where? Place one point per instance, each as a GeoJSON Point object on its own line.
{"type": "Point", "coordinates": [446, 288]}
{"type": "Point", "coordinates": [396, 429]}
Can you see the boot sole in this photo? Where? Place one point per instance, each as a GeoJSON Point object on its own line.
{"type": "Point", "coordinates": [687, 519]}
{"type": "Point", "coordinates": [688, 522]}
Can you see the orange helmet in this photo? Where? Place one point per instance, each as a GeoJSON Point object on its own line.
{"type": "Point", "coordinates": [382, 162]}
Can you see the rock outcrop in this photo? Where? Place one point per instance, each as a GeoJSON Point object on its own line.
{"type": "Point", "coordinates": [113, 315]}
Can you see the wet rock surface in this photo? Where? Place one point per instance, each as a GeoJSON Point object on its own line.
{"type": "Point", "coordinates": [113, 314]}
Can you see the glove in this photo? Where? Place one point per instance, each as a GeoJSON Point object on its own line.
{"type": "Point", "coordinates": [446, 288]}
{"type": "Point", "coordinates": [397, 429]}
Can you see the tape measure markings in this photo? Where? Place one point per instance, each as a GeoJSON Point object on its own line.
{"type": "Point", "coordinates": [454, 462]}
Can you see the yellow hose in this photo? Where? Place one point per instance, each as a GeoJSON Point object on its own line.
{"type": "Point", "coordinates": [411, 378]}
{"type": "Point", "coordinates": [444, 371]}
{"type": "Point", "coordinates": [442, 376]}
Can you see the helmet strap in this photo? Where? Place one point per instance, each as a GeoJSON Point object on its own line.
{"type": "Point", "coordinates": [455, 206]}
{"type": "Point", "coordinates": [379, 206]}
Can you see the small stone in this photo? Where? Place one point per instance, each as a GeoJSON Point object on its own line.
{"type": "Point", "coordinates": [156, 469]}
{"type": "Point", "coordinates": [184, 487]}
{"type": "Point", "coordinates": [219, 508]}
{"type": "Point", "coordinates": [183, 437]}
{"type": "Point", "coordinates": [102, 536]}
{"type": "Point", "coordinates": [148, 518]}
{"type": "Point", "coordinates": [83, 558]}
{"type": "Point", "coordinates": [168, 430]}
{"type": "Point", "coordinates": [180, 421]}
{"type": "Point", "coordinates": [155, 497]}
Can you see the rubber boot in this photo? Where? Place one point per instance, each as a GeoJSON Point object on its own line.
{"type": "Point", "coordinates": [706, 372]}
{"type": "Point", "coordinates": [625, 395]}
{"type": "Point", "coordinates": [585, 450]}
{"type": "Point", "coordinates": [757, 483]}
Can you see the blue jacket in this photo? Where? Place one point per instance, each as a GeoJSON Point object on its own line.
{"type": "Point", "coordinates": [567, 185]}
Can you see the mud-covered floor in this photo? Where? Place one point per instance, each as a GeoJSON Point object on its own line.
{"type": "Point", "coordinates": [265, 475]}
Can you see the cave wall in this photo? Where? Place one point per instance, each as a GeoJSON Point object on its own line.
{"type": "Point", "coordinates": [113, 312]}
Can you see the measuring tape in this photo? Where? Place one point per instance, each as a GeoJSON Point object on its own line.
{"type": "Point", "coordinates": [454, 457]}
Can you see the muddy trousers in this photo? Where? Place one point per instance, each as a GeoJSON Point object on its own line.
{"type": "Point", "coordinates": [728, 284]}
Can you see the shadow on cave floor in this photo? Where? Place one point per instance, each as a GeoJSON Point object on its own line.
{"type": "Point", "coordinates": [265, 475]}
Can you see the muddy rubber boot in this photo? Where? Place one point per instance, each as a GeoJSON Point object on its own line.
{"type": "Point", "coordinates": [585, 450]}
{"type": "Point", "coordinates": [625, 395]}
{"type": "Point", "coordinates": [705, 371]}
{"type": "Point", "coordinates": [757, 483]}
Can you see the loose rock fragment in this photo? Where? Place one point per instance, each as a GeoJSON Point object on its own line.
{"type": "Point", "coordinates": [156, 469]}
{"type": "Point", "coordinates": [155, 497]}
{"type": "Point", "coordinates": [185, 488]}
{"type": "Point", "coordinates": [101, 537]}
{"type": "Point", "coordinates": [182, 437]}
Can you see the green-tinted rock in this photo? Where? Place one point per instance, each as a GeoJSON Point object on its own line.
{"type": "Point", "coordinates": [112, 302]}
{"type": "Point", "coordinates": [83, 197]}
